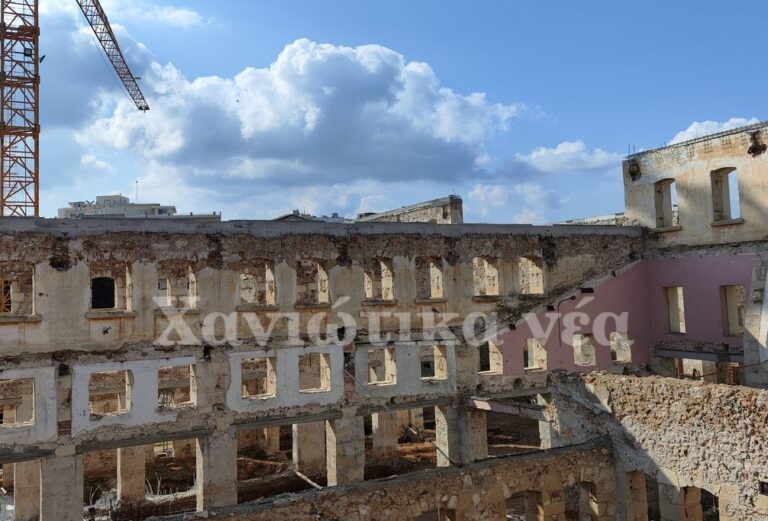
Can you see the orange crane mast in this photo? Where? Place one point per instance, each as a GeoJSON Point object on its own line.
{"type": "Point", "coordinates": [20, 106]}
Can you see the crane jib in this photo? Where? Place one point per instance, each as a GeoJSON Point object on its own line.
{"type": "Point", "coordinates": [20, 110]}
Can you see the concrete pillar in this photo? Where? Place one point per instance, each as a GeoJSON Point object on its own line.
{"type": "Point", "coordinates": [345, 449]}
{"type": "Point", "coordinates": [309, 447]}
{"type": "Point", "coordinates": [26, 491]}
{"type": "Point", "coordinates": [637, 497]}
{"type": "Point", "coordinates": [448, 437]}
{"type": "Point", "coordinates": [216, 470]}
{"type": "Point", "coordinates": [755, 350]}
{"type": "Point", "coordinates": [461, 435]}
{"type": "Point", "coordinates": [8, 475]}
{"type": "Point", "coordinates": [386, 428]}
{"type": "Point", "coordinates": [477, 434]}
{"type": "Point", "coordinates": [272, 441]}
{"type": "Point", "coordinates": [131, 463]}
{"type": "Point", "coordinates": [549, 436]}
{"type": "Point", "coordinates": [61, 486]}
{"type": "Point", "coordinates": [670, 502]}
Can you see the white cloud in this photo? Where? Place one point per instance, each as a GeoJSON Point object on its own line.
{"type": "Point", "coordinates": [569, 156]}
{"type": "Point", "coordinates": [375, 203]}
{"type": "Point", "coordinates": [524, 203]}
{"type": "Point", "coordinates": [135, 10]}
{"type": "Point", "coordinates": [95, 162]}
{"type": "Point", "coordinates": [319, 113]}
{"type": "Point", "coordinates": [703, 128]}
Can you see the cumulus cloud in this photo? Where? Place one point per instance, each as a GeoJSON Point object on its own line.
{"type": "Point", "coordinates": [569, 156]}
{"type": "Point", "coordinates": [703, 128]}
{"type": "Point", "coordinates": [319, 113]}
{"type": "Point", "coordinates": [523, 203]}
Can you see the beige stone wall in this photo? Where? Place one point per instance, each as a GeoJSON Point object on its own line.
{"type": "Point", "coordinates": [475, 493]}
{"type": "Point", "coordinates": [686, 434]}
{"type": "Point", "coordinates": [690, 164]}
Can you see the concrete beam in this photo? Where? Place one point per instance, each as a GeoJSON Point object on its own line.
{"type": "Point", "coordinates": [700, 355]}
{"type": "Point", "coordinates": [28, 455]}
{"type": "Point", "coordinates": [146, 440]}
{"type": "Point", "coordinates": [422, 404]}
{"type": "Point", "coordinates": [531, 412]}
{"type": "Point", "coordinates": [289, 420]}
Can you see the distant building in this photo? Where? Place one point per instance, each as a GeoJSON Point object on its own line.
{"type": "Point", "coordinates": [298, 216]}
{"type": "Point", "coordinates": [447, 210]}
{"type": "Point", "coordinates": [120, 207]}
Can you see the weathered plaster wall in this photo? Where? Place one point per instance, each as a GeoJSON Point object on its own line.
{"type": "Point", "coordinates": [65, 256]}
{"type": "Point", "coordinates": [701, 278]}
{"type": "Point", "coordinates": [690, 165]}
{"type": "Point", "coordinates": [639, 291]}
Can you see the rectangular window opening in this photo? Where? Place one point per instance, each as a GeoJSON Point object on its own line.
{"type": "Point", "coordinates": [312, 283]}
{"type": "Point", "coordinates": [315, 372]}
{"type": "Point", "coordinates": [584, 350]}
{"type": "Point", "coordinates": [676, 309]}
{"type": "Point", "coordinates": [534, 355]}
{"type": "Point", "coordinates": [257, 286]}
{"type": "Point", "coordinates": [17, 406]}
{"type": "Point", "coordinates": [382, 366]}
{"type": "Point", "coordinates": [491, 358]}
{"type": "Point", "coordinates": [734, 300]}
{"type": "Point", "coordinates": [666, 203]}
{"type": "Point", "coordinates": [110, 393]}
{"type": "Point", "coordinates": [258, 377]}
{"type": "Point", "coordinates": [429, 278]}
{"type": "Point", "coordinates": [103, 293]}
{"type": "Point", "coordinates": [726, 203]}
{"type": "Point", "coordinates": [434, 362]}
{"type": "Point", "coordinates": [379, 279]}
{"type": "Point", "coordinates": [531, 274]}
{"type": "Point", "coordinates": [621, 347]}
{"type": "Point", "coordinates": [485, 276]}
{"type": "Point", "coordinates": [176, 386]}
{"type": "Point", "coordinates": [5, 296]}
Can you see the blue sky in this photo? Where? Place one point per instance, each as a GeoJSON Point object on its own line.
{"type": "Point", "coordinates": [259, 107]}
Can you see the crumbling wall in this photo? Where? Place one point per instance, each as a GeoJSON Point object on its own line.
{"type": "Point", "coordinates": [475, 493]}
{"type": "Point", "coordinates": [202, 273]}
{"type": "Point", "coordinates": [682, 433]}
{"type": "Point", "coordinates": [691, 165]}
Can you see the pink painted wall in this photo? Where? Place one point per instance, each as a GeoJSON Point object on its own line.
{"type": "Point", "coordinates": [639, 292]}
{"type": "Point", "coordinates": [701, 279]}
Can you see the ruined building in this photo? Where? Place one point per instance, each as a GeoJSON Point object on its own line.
{"type": "Point", "coordinates": [398, 371]}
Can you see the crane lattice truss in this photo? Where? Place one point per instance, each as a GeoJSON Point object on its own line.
{"type": "Point", "coordinates": [19, 106]}
{"type": "Point", "coordinates": [20, 125]}
{"type": "Point", "coordinates": [100, 24]}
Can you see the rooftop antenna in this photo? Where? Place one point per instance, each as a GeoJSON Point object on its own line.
{"type": "Point", "coordinates": [137, 191]}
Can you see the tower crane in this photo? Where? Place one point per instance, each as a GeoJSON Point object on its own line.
{"type": "Point", "coordinates": [19, 107]}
